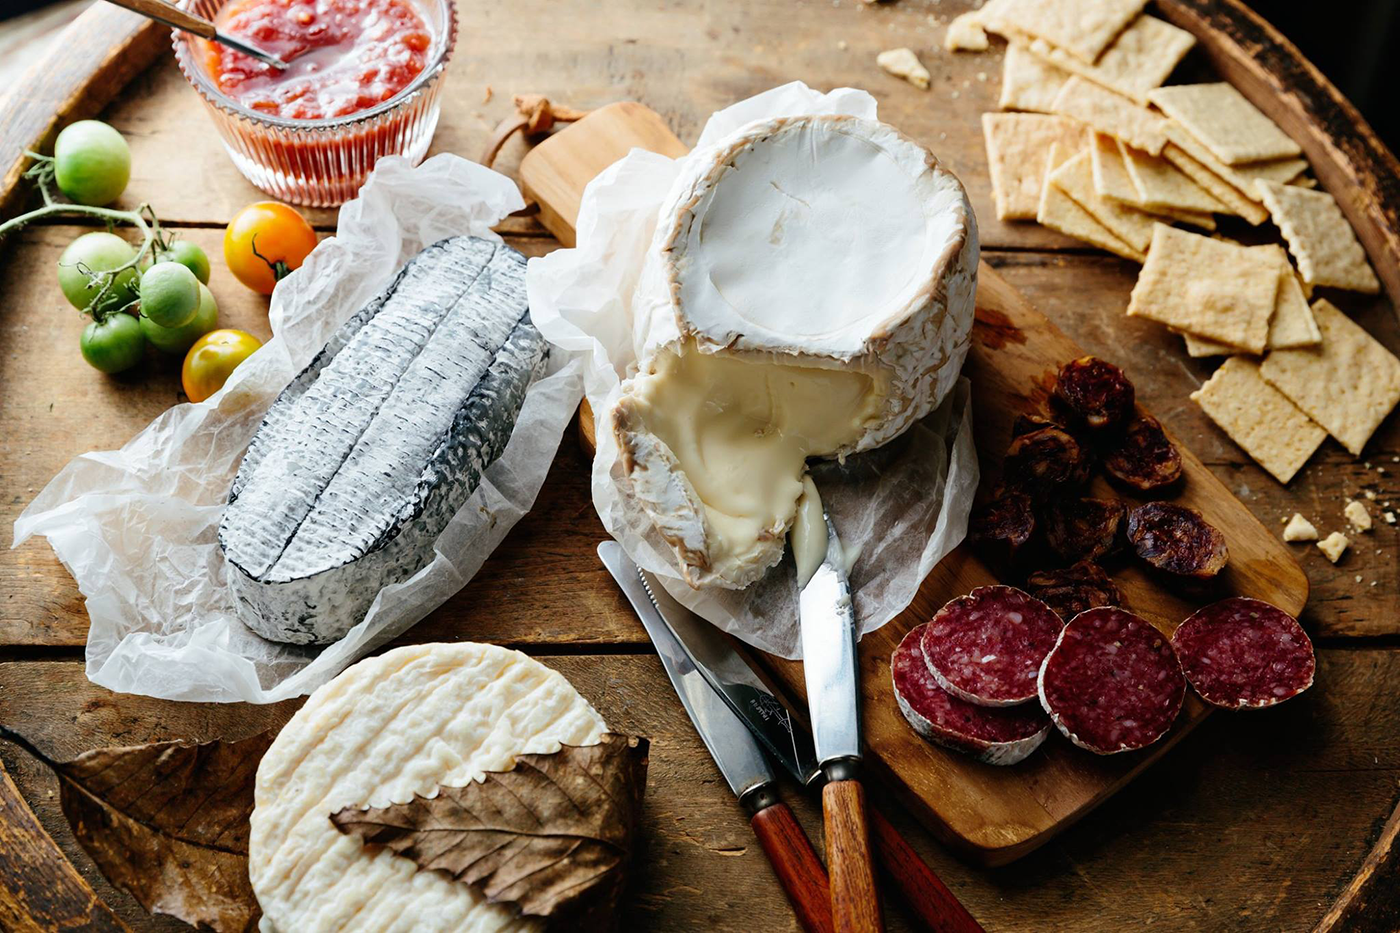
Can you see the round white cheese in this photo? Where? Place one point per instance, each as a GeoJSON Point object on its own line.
{"type": "Point", "coordinates": [404, 723]}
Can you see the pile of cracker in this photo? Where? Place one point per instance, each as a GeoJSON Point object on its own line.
{"type": "Point", "coordinates": [1095, 146]}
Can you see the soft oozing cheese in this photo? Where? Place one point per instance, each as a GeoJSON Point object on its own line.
{"type": "Point", "coordinates": [404, 723]}
{"type": "Point", "coordinates": [808, 535]}
{"type": "Point", "coordinates": [742, 429]}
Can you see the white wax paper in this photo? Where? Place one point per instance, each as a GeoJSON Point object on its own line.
{"type": "Point", "coordinates": [136, 527]}
{"type": "Point", "coordinates": [904, 506]}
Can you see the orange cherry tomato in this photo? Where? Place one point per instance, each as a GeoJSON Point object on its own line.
{"type": "Point", "coordinates": [212, 358]}
{"type": "Point", "coordinates": [266, 241]}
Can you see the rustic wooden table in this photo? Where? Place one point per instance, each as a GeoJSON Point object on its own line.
{"type": "Point", "coordinates": [1255, 822]}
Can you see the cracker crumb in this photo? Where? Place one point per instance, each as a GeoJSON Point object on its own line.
{"type": "Point", "coordinates": [1358, 578]}
{"type": "Point", "coordinates": [1299, 529]}
{"type": "Point", "coordinates": [1371, 494]}
{"type": "Point", "coordinates": [1333, 545]}
{"type": "Point", "coordinates": [903, 63]}
{"type": "Point", "coordinates": [1390, 518]}
{"type": "Point", "coordinates": [843, 45]}
{"type": "Point", "coordinates": [1357, 515]}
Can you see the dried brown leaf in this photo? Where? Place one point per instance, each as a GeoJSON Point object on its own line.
{"type": "Point", "coordinates": [168, 823]}
{"type": "Point", "coordinates": [553, 835]}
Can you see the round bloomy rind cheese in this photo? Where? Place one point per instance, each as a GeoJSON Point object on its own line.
{"type": "Point", "coordinates": [991, 735]}
{"type": "Point", "coordinates": [1243, 653]}
{"type": "Point", "coordinates": [986, 647]}
{"type": "Point", "coordinates": [1112, 683]}
{"type": "Point", "coordinates": [404, 723]}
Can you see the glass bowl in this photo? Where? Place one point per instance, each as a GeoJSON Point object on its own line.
{"type": "Point", "coordinates": [323, 163]}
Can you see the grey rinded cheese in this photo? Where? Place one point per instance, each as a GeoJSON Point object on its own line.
{"type": "Point", "coordinates": [361, 462]}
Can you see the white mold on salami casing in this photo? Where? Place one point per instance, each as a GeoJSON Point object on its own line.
{"type": "Point", "coordinates": [1243, 653]}
{"type": "Point", "coordinates": [364, 458]}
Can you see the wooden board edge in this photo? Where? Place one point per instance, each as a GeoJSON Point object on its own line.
{"type": "Point", "coordinates": [1371, 900]}
{"type": "Point", "coordinates": [1349, 159]}
{"type": "Point", "coordinates": [89, 63]}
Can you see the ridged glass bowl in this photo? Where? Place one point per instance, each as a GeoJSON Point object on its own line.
{"type": "Point", "coordinates": [323, 163]}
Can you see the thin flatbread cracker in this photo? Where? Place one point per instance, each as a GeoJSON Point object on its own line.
{"type": "Point", "coordinates": [1241, 178]}
{"type": "Point", "coordinates": [1111, 178]}
{"type": "Point", "coordinates": [1027, 82]}
{"type": "Point", "coordinates": [1139, 60]}
{"type": "Point", "coordinates": [1267, 426]}
{"type": "Point", "coordinates": [1233, 129]}
{"type": "Point", "coordinates": [1282, 171]}
{"type": "Point", "coordinates": [1111, 113]}
{"type": "Point", "coordinates": [1319, 238]}
{"type": "Point", "coordinates": [1162, 185]}
{"type": "Point", "coordinates": [1085, 28]}
{"type": "Point", "coordinates": [1303, 183]}
{"type": "Point", "coordinates": [1076, 179]}
{"type": "Point", "coordinates": [1348, 384]}
{"type": "Point", "coordinates": [1218, 188]}
{"type": "Point", "coordinates": [966, 34]}
{"type": "Point", "coordinates": [1016, 148]}
{"type": "Point", "coordinates": [1059, 212]}
{"type": "Point", "coordinates": [1203, 220]}
{"type": "Point", "coordinates": [1292, 324]}
{"type": "Point", "coordinates": [1207, 287]}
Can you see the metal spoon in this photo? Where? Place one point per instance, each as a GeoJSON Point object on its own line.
{"type": "Point", "coordinates": [176, 18]}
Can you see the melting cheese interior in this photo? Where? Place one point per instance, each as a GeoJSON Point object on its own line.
{"type": "Point", "coordinates": [742, 430]}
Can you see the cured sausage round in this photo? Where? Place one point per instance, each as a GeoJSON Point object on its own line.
{"type": "Point", "coordinates": [1046, 458]}
{"type": "Point", "coordinates": [1112, 682]}
{"type": "Point", "coordinates": [1071, 590]}
{"type": "Point", "coordinates": [1095, 391]}
{"type": "Point", "coordinates": [1243, 653]}
{"type": "Point", "coordinates": [986, 647]}
{"type": "Point", "coordinates": [1177, 540]}
{"type": "Point", "coordinates": [995, 736]}
{"type": "Point", "coordinates": [1084, 529]}
{"type": "Point", "coordinates": [1143, 458]}
{"type": "Point", "coordinates": [1004, 523]}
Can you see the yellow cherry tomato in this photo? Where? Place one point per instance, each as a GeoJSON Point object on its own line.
{"type": "Point", "coordinates": [264, 242]}
{"type": "Point", "coordinates": [212, 358]}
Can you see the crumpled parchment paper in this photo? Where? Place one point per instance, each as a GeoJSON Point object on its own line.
{"type": "Point", "coordinates": [137, 526]}
{"type": "Point", "coordinates": [904, 506]}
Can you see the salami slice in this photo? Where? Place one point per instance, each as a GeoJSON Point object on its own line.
{"type": "Point", "coordinates": [1025, 424]}
{"type": "Point", "coordinates": [1242, 653]}
{"type": "Point", "coordinates": [1071, 590]}
{"type": "Point", "coordinates": [1112, 682]}
{"type": "Point", "coordinates": [1004, 523]}
{"type": "Point", "coordinates": [1095, 391]}
{"type": "Point", "coordinates": [1045, 459]}
{"type": "Point", "coordinates": [1143, 458]}
{"type": "Point", "coordinates": [1084, 529]}
{"type": "Point", "coordinates": [994, 736]}
{"type": "Point", "coordinates": [986, 647]}
{"type": "Point", "coordinates": [1177, 540]}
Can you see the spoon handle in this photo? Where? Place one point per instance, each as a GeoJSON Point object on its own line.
{"type": "Point", "coordinates": [170, 15]}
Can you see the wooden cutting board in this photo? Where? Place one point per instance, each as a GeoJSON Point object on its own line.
{"type": "Point", "coordinates": [994, 814]}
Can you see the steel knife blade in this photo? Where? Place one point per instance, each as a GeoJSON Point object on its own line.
{"type": "Point", "coordinates": [827, 618]}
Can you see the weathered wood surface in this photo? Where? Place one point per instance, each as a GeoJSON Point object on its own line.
{"type": "Point", "coordinates": [1254, 822]}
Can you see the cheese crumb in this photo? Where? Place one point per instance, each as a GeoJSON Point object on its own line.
{"type": "Point", "coordinates": [1333, 545]}
{"type": "Point", "coordinates": [1389, 518]}
{"type": "Point", "coordinates": [1299, 529]}
{"type": "Point", "coordinates": [903, 63]}
{"type": "Point", "coordinates": [1356, 513]}
{"type": "Point", "coordinates": [1357, 578]}
{"type": "Point", "coordinates": [1371, 494]}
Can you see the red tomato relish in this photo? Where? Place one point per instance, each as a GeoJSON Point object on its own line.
{"type": "Point", "coordinates": [345, 56]}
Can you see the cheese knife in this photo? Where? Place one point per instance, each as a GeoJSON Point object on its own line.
{"type": "Point", "coordinates": [737, 753]}
{"type": "Point", "coordinates": [731, 678]}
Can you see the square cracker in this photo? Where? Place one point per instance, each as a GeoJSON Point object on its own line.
{"type": "Point", "coordinates": [1208, 287]}
{"type": "Point", "coordinates": [1059, 212]}
{"type": "Point", "coordinates": [1111, 178]}
{"type": "Point", "coordinates": [1139, 60]}
{"type": "Point", "coordinates": [1111, 113]}
{"type": "Point", "coordinates": [1319, 237]}
{"type": "Point", "coordinates": [1016, 148]}
{"type": "Point", "coordinates": [1082, 27]}
{"type": "Point", "coordinates": [1218, 188]}
{"type": "Point", "coordinates": [1076, 179]}
{"type": "Point", "coordinates": [1028, 82]}
{"type": "Point", "coordinates": [1233, 129]}
{"type": "Point", "coordinates": [1292, 324]}
{"type": "Point", "coordinates": [1159, 183]}
{"type": "Point", "coordinates": [1259, 418]}
{"type": "Point", "coordinates": [1348, 384]}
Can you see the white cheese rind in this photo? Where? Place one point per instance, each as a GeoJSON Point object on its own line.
{"type": "Point", "coordinates": [822, 242]}
{"type": "Point", "coordinates": [404, 723]}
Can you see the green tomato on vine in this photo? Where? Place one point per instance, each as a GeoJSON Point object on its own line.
{"type": "Point", "coordinates": [92, 163]}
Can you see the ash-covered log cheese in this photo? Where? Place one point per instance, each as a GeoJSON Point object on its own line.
{"type": "Point", "coordinates": [1242, 653]}
{"type": "Point", "coordinates": [997, 736]}
{"type": "Point", "coordinates": [364, 458]}
{"type": "Point", "coordinates": [1177, 540]}
{"type": "Point", "coordinates": [406, 722]}
{"type": "Point", "coordinates": [1144, 458]}
{"type": "Point", "coordinates": [1071, 590]}
{"type": "Point", "coordinates": [1095, 391]}
{"type": "Point", "coordinates": [986, 647]}
{"type": "Point", "coordinates": [1112, 682]}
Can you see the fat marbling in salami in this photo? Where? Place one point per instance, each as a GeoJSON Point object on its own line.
{"type": "Point", "coordinates": [1095, 391]}
{"type": "Point", "coordinates": [986, 647]}
{"type": "Point", "coordinates": [1112, 682]}
{"type": "Point", "coordinates": [1243, 653]}
{"type": "Point", "coordinates": [1144, 458]}
{"type": "Point", "coordinates": [1071, 590]}
{"type": "Point", "coordinates": [1177, 539]}
{"type": "Point", "coordinates": [996, 736]}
